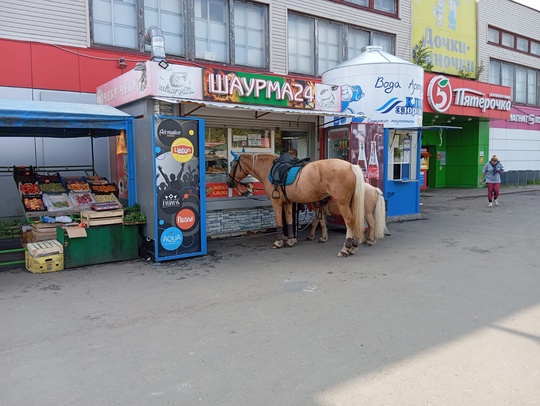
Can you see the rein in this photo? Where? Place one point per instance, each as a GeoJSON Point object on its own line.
{"type": "Point", "coordinates": [233, 183]}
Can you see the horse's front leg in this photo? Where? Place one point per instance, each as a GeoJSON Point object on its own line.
{"type": "Point", "coordinates": [278, 208]}
{"type": "Point", "coordinates": [291, 239]}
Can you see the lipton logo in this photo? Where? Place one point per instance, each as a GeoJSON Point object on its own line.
{"type": "Point", "coordinates": [439, 93]}
{"type": "Point", "coordinates": [182, 150]}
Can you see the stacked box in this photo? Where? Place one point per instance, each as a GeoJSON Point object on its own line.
{"type": "Point", "coordinates": [44, 231]}
{"type": "Point", "coordinates": [101, 218]}
{"type": "Point", "coordinates": [46, 256]}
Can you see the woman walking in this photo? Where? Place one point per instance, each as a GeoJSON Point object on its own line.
{"type": "Point", "coordinates": [492, 172]}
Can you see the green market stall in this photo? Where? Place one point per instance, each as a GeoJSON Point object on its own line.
{"type": "Point", "coordinates": [27, 118]}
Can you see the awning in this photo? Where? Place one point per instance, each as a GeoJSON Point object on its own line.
{"type": "Point", "coordinates": [28, 118]}
{"type": "Point", "coordinates": [264, 110]}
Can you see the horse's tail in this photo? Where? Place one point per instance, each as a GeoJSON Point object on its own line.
{"type": "Point", "coordinates": [357, 204]}
{"type": "Point", "coordinates": [380, 215]}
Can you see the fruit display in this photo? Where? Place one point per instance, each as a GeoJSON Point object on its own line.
{"type": "Point", "coordinates": [57, 202]}
{"type": "Point", "coordinates": [33, 203]}
{"type": "Point", "coordinates": [97, 180]}
{"type": "Point", "coordinates": [52, 187]}
{"type": "Point", "coordinates": [29, 189]}
{"type": "Point", "coordinates": [77, 186]}
{"type": "Point", "coordinates": [105, 198]}
{"type": "Point", "coordinates": [104, 189]}
{"type": "Point", "coordinates": [81, 200]}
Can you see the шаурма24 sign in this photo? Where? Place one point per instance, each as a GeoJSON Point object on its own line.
{"type": "Point", "coordinates": [441, 96]}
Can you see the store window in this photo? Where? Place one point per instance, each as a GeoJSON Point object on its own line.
{"type": "Point", "coordinates": [523, 81]}
{"type": "Point", "coordinates": [357, 40]}
{"type": "Point", "coordinates": [233, 32]}
{"type": "Point", "coordinates": [385, 6]}
{"type": "Point", "coordinates": [317, 45]}
{"type": "Point", "coordinates": [115, 23]}
{"type": "Point", "coordinates": [402, 157]}
{"type": "Point", "coordinates": [301, 44]}
{"type": "Point", "coordinates": [219, 142]}
{"type": "Point", "coordinates": [169, 16]}
{"type": "Point", "coordinates": [514, 41]}
{"type": "Point", "coordinates": [507, 40]}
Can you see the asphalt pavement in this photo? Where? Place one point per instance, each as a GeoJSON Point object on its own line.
{"type": "Point", "coordinates": [444, 311]}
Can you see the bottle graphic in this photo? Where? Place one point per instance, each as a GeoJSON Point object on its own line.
{"type": "Point", "coordinates": [373, 166]}
{"type": "Point", "coordinates": [362, 158]}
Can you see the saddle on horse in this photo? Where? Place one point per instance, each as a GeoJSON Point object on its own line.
{"type": "Point", "coordinates": [284, 171]}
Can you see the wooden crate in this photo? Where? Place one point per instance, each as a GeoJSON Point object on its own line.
{"type": "Point", "coordinates": [44, 231]}
{"type": "Point", "coordinates": [102, 218]}
{"type": "Point", "coordinates": [45, 248]}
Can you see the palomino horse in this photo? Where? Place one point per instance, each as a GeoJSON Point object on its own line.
{"type": "Point", "coordinates": [315, 181]}
{"type": "Point", "coordinates": [374, 208]}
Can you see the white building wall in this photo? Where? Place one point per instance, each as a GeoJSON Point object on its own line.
{"type": "Point", "coordinates": [61, 22]}
{"type": "Point", "coordinates": [517, 149]}
{"type": "Point", "coordinates": [331, 11]}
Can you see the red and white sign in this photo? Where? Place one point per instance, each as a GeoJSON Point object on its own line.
{"type": "Point", "coordinates": [175, 81]}
{"type": "Point", "coordinates": [462, 97]}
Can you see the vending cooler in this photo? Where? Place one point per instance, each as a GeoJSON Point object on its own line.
{"type": "Point", "coordinates": [170, 185]}
{"type": "Point", "coordinates": [358, 143]}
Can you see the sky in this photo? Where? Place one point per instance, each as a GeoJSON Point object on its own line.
{"type": "Point", "coordinates": [531, 3]}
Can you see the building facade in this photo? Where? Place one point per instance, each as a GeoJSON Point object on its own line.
{"type": "Point", "coordinates": [66, 49]}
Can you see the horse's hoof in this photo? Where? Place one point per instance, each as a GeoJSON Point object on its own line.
{"type": "Point", "coordinates": [308, 238]}
{"type": "Point", "coordinates": [368, 244]}
{"type": "Point", "coordinates": [342, 254]}
{"type": "Point", "coordinates": [291, 242]}
{"type": "Point", "coordinates": [321, 240]}
{"type": "Point", "coordinates": [277, 244]}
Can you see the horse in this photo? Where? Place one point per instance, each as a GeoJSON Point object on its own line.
{"type": "Point", "coordinates": [314, 181]}
{"type": "Point", "coordinates": [374, 209]}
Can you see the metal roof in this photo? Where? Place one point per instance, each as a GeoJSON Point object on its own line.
{"type": "Point", "coordinates": [264, 110]}
{"type": "Point", "coordinates": [29, 118]}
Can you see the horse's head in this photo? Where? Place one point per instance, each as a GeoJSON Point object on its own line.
{"type": "Point", "coordinates": [237, 173]}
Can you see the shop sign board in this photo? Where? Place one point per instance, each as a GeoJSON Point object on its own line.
{"type": "Point", "coordinates": [180, 210]}
{"type": "Point", "coordinates": [462, 97]}
{"type": "Point", "coordinates": [177, 81]}
{"type": "Point", "coordinates": [521, 118]}
{"type": "Point", "coordinates": [281, 91]}
{"type": "Point", "coordinates": [448, 29]}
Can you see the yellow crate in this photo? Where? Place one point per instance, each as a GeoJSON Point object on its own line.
{"type": "Point", "coordinates": [51, 263]}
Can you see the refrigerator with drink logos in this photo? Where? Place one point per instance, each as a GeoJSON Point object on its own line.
{"type": "Point", "coordinates": [361, 144]}
{"type": "Point", "coordinates": [170, 177]}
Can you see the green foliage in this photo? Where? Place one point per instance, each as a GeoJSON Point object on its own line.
{"type": "Point", "coordinates": [133, 214]}
{"type": "Point", "coordinates": [468, 74]}
{"type": "Point", "coordinates": [421, 55]}
{"type": "Point", "coordinates": [10, 228]}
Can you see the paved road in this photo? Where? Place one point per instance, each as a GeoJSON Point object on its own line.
{"type": "Point", "coordinates": [445, 311]}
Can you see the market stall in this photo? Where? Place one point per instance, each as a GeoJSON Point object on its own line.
{"type": "Point", "coordinates": [52, 197]}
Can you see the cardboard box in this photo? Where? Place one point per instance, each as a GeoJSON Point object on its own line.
{"type": "Point", "coordinates": [50, 263]}
{"type": "Point", "coordinates": [45, 248]}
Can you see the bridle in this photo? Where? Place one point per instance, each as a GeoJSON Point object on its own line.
{"type": "Point", "coordinates": [233, 183]}
{"type": "Point", "coordinates": [231, 178]}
